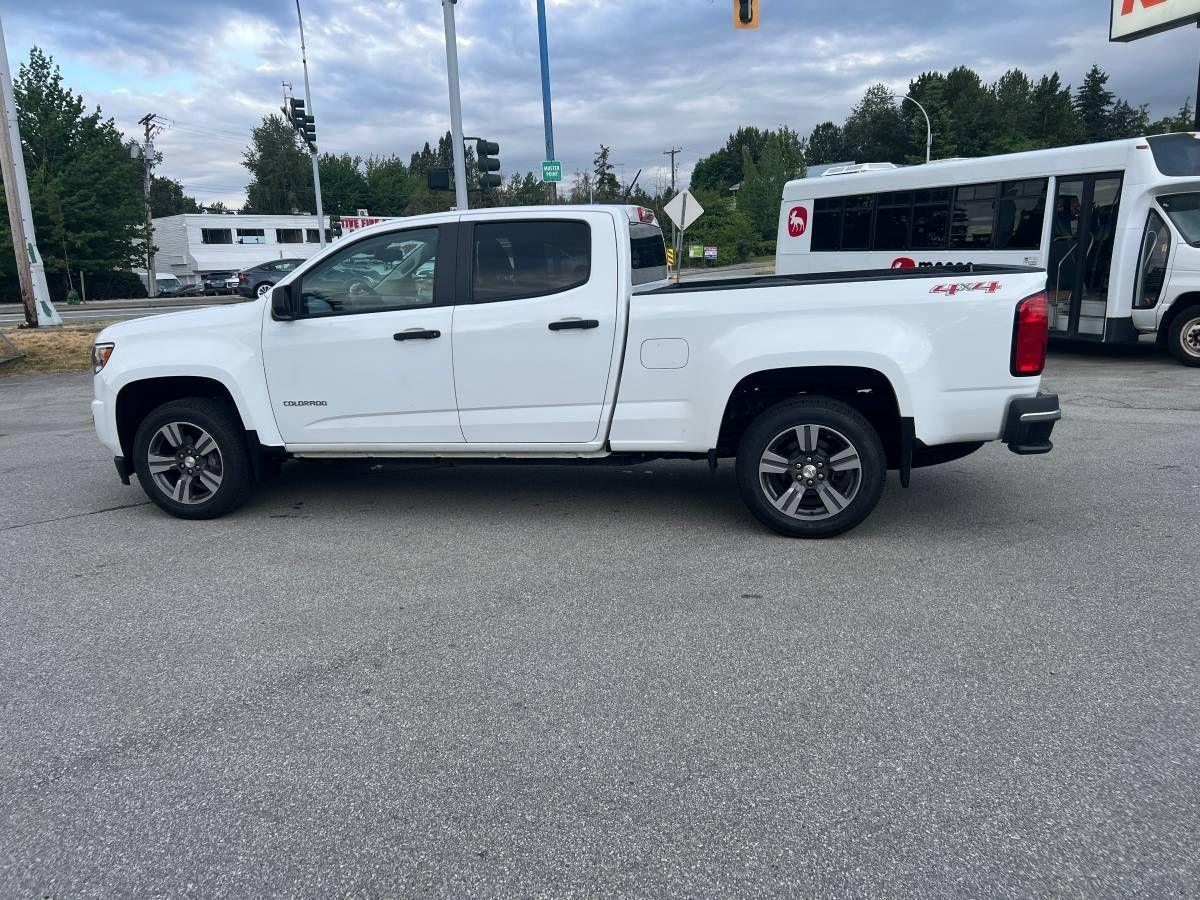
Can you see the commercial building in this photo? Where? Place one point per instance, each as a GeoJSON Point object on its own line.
{"type": "Point", "coordinates": [193, 244]}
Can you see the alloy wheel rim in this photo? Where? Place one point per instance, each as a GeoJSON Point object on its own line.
{"type": "Point", "coordinates": [185, 462]}
{"type": "Point", "coordinates": [810, 472]}
{"type": "Point", "coordinates": [264, 289]}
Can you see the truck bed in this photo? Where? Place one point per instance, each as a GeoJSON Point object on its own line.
{"type": "Point", "coordinates": [809, 278]}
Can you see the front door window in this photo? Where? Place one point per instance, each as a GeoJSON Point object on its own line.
{"type": "Point", "coordinates": [1152, 262]}
{"type": "Point", "coordinates": [385, 272]}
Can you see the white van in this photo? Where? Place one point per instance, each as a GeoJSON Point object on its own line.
{"type": "Point", "coordinates": [1115, 225]}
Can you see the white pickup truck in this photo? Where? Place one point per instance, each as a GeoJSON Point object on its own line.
{"type": "Point", "coordinates": [552, 333]}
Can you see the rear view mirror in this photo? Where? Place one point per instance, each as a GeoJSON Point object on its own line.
{"type": "Point", "coordinates": [285, 303]}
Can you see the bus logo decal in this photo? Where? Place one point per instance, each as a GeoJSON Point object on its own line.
{"type": "Point", "coordinates": [797, 221]}
{"type": "Point", "coordinates": [904, 262]}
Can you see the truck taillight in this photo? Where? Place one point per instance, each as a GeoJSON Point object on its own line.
{"type": "Point", "coordinates": [1030, 334]}
{"type": "Point", "coordinates": [645, 216]}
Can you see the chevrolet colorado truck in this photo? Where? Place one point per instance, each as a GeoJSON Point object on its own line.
{"type": "Point", "coordinates": [553, 334]}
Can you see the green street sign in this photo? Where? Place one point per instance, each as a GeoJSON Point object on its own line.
{"type": "Point", "coordinates": [551, 170]}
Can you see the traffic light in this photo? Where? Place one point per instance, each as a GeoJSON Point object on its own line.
{"type": "Point", "coordinates": [335, 225]}
{"type": "Point", "coordinates": [309, 133]}
{"type": "Point", "coordinates": [487, 153]}
{"type": "Point", "coordinates": [439, 180]}
{"type": "Point", "coordinates": [295, 113]}
{"type": "Point", "coordinates": [745, 13]}
{"type": "Point", "coordinates": [305, 125]}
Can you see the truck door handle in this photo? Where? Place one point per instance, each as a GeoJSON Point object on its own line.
{"type": "Point", "coordinates": [567, 324]}
{"type": "Point", "coordinates": [416, 334]}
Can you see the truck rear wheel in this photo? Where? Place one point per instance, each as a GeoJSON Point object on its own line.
{"type": "Point", "coordinates": [811, 467]}
{"type": "Point", "coordinates": [191, 459]}
{"type": "Point", "coordinates": [1184, 336]}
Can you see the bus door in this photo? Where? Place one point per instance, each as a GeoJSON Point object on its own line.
{"type": "Point", "coordinates": [1081, 250]}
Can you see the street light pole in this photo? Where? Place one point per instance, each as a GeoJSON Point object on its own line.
{"type": "Point", "coordinates": [456, 130]}
{"type": "Point", "coordinates": [928, 129]}
{"type": "Point", "coordinates": [313, 149]}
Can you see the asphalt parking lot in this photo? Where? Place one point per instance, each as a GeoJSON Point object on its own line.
{"type": "Point", "coordinates": [390, 680]}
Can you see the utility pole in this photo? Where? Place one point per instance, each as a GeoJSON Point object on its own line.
{"type": "Point", "coordinates": [673, 152]}
{"type": "Point", "coordinates": [35, 294]}
{"type": "Point", "coordinates": [312, 147]}
{"type": "Point", "coordinates": [456, 131]}
{"type": "Point", "coordinates": [149, 122]}
{"type": "Point", "coordinates": [547, 115]}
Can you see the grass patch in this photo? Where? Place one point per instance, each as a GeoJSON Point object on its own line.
{"type": "Point", "coordinates": [67, 348]}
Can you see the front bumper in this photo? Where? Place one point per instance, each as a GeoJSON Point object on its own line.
{"type": "Point", "coordinates": [1029, 422]}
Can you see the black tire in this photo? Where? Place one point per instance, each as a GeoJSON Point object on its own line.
{"type": "Point", "coordinates": [840, 429]}
{"type": "Point", "coordinates": [258, 288]}
{"type": "Point", "coordinates": [232, 465]}
{"type": "Point", "coordinates": [1183, 337]}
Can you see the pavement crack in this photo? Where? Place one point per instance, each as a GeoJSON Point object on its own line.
{"type": "Point", "coordinates": [94, 512]}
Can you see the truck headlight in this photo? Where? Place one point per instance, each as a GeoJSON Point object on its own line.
{"type": "Point", "coordinates": [100, 355]}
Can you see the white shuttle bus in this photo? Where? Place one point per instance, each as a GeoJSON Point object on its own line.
{"type": "Point", "coordinates": [1116, 226]}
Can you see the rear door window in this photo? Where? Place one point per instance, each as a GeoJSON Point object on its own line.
{"type": "Point", "coordinates": [520, 259]}
{"type": "Point", "coordinates": [648, 254]}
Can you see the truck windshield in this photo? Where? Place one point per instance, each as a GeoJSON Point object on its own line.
{"type": "Point", "coordinates": [648, 253]}
{"type": "Point", "coordinates": [1184, 210]}
{"type": "Point", "coordinates": [1176, 154]}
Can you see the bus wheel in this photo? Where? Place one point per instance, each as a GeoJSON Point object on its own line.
{"type": "Point", "coordinates": [1184, 337]}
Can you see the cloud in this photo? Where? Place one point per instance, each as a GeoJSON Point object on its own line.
{"type": "Point", "coordinates": [638, 76]}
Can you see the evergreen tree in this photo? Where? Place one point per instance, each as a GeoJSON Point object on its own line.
{"type": "Point", "coordinates": [875, 132]}
{"type": "Point", "coordinates": [280, 173]}
{"type": "Point", "coordinates": [389, 187]}
{"type": "Point", "coordinates": [85, 190]}
{"type": "Point", "coordinates": [168, 199]}
{"type": "Point", "coordinates": [1053, 122]}
{"type": "Point", "coordinates": [1184, 120]}
{"type": "Point", "coordinates": [1015, 113]}
{"type": "Point", "coordinates": [722, 169]}
{"type": "Point", "coordinates": [606, 187]}
{"type": "Point", "coordinates": [1093, 106]}
{"type": "Point", "coordinates": [825, 145]}
{"type": "Point", "coordinates": [762, 184]}
{"type": "Point", "coordinates": [344, 188]}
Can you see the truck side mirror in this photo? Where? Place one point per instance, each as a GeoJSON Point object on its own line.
{"type": "Point", "coordinates": [285, 303]}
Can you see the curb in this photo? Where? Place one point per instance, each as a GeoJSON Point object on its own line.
{"type": "Point", "coordinates": [165, 303]}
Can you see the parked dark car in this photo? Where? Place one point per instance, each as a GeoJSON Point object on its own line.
{"type": "Point", "coordinates": [214, 282]}
{"type": "Point", "coordinates": [256, 281]}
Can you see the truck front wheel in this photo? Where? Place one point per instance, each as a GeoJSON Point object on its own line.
{"type": "Point", "coordinates": [191, 459]}
{"type": "Point", "coordinates": [811, 467]}
{"type": "Point", "coordinates": [1184, 336]}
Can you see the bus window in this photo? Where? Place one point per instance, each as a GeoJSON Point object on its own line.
{"type": "Point", "coordinates": [856, 223]}
{"type": "Point", "coordinates": [827, 223]}
{"type": "Point", "coordinates": [1022, 211]}
{"type": "Point", "coordinates": [1152, 264]}
{"type": "Point", "coordinates": [1176, 154]}
{"type": "Point", "coordinates": [931, 218]}
{"type": "Point", "coordinates": [1184, 210]}
{"type": "Point", "coordinates": [892, 217]}
{"type": "Point", "coordinates": [974, 214]}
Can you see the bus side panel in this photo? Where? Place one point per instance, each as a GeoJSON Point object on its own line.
{"type": "Point", "coordinates": [794, 237]}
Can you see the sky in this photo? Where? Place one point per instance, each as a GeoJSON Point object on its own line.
{"type": "Point", "coordinates": [638, 75]}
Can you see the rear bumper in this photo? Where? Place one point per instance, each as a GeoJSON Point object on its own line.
{"type": "Point", "coordinates": [1029, 422]}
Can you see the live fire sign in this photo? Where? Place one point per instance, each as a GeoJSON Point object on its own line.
{"type": "Point", "coordinates": [1133, 19]}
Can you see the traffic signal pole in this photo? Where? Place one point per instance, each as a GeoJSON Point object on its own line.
{"type": "Point", "coordinates": [456, 130]}
{"type": "Point", "coordinates": [312, 149]}
{"type": "Point", "coordinates": [547, 114]}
